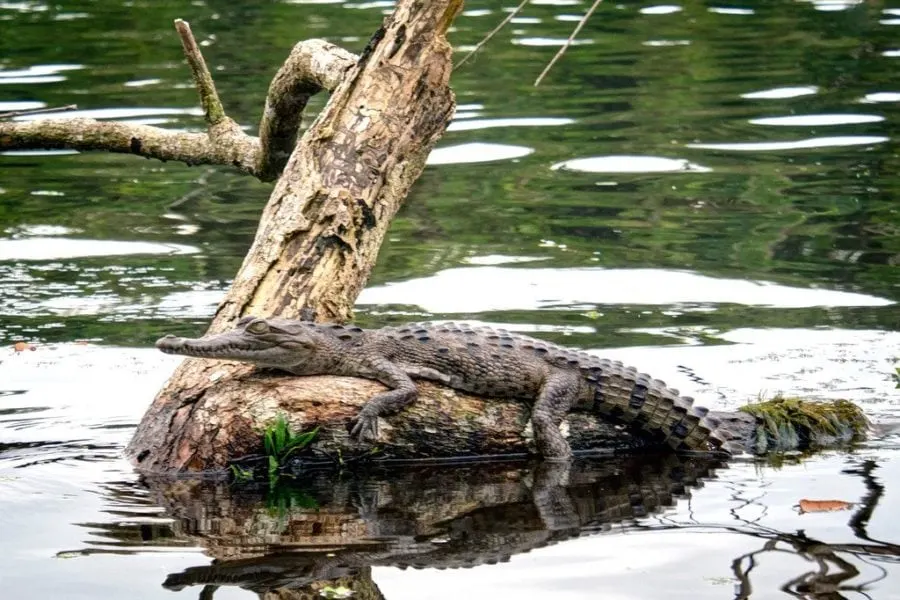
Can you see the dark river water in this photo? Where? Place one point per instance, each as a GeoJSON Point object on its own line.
{"type": "Point", "coordinates": [706, 190]}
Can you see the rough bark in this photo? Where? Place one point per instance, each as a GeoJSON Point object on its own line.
{"type": "Point", "coordinates": [320, 233]}
{"type": "Point", "coordinates": [313, 66]}
{"type": "Point", "coordinates": [223, 424]}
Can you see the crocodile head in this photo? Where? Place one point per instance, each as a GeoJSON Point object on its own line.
{"type": "Point", "coordinates": [276, 343]}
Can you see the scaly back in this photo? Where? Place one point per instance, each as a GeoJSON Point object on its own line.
{"type": "Point", "coordinates": [621, 394]}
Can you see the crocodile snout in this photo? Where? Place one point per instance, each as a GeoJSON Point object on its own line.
{"type": "Point", "coordinates": [166, 343]}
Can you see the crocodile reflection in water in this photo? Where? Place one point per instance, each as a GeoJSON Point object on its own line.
{"type": "Point", "coordinates": [456, 517]}
{"type": "Point", "coordinates": [468, 516]}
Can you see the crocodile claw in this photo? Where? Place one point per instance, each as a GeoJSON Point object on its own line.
{"type": "Point", "coordinates": [364, 427]}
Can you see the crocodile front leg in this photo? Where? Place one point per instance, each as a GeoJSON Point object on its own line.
{"type": "Point", "coordinates": [558, 394]}
{"type": "Point", "coordinates": [403, 392]}
{"type": "Point", "coordinates": [426, 373]}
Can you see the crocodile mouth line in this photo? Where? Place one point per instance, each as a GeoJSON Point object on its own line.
{"type": "Point", "coordinates": [217, 351]}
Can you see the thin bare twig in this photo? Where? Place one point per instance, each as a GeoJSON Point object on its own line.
{"type": "Point", "coordinates": [487, 38]}
{"type": "Point", "coordinates": [209, 98]}
{"type": "Point", "coordinates": [568, 43]}
{"type": "Point", "coordinates": [37, 111]}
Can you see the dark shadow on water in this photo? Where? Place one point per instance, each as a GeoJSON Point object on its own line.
{"type": "Point", "coordinates": [327, 531]}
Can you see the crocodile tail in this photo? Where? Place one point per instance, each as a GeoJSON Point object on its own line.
{"type": "Point", "coordinates": [636, 399]}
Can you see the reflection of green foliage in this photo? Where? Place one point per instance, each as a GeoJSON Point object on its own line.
{"type": "Point", "coordinates": [279, 442]}
{"type": "Point", "coordinates": [284, 496]}
{"type": "Point", "coordinates": [240, 474]}
{"type": "Point", "coordinates": [794, 422]}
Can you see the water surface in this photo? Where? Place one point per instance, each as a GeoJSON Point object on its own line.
{"type": "Point", "coordinates": [706, 191]}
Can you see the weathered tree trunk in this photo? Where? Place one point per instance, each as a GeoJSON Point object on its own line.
{"type": "Point", "coordinates": [320, 233]}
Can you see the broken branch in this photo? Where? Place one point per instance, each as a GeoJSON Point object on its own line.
{"type": "Point", "coordinates": [493, 32]}
{"type": "Point", "coordinates": [313, 65]}
{"type": "Point", "coordinates": [209, 98]}
{"type": "Point", "coordinates": [126, 138]}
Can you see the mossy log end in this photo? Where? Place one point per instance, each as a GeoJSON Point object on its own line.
{"type": "Point", "coordinates": [224, 423]}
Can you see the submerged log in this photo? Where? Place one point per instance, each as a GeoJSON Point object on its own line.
{"type": "Point", "coordinates": [223, 426]}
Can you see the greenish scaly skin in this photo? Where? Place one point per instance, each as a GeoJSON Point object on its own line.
{"type": "Point", "coordinates": [479, 360]}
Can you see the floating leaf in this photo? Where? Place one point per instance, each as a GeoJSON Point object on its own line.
{"type": "Point", "coordinates": [812, 506]}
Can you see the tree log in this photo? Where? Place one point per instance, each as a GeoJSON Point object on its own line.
{"type": "Point", "coordinates": [223, 424]}
{"type": "Point", "coordinates": [319, 234]}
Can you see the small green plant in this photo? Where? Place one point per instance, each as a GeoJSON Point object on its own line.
{"type": "Point", "coordinates": [897, 377]}
{"type": "Point", "coordinates": [279, 442]}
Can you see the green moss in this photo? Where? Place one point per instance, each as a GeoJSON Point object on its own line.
{"type": "Point", "coordinates": [798, 423]}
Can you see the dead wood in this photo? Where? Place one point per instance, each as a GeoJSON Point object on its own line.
{"type": "Point", "coordinates": [313, 66]}
{"type": "Point", "coordinates": [223, 424]}
{"type": "Point", "coordinates": [318, 237]}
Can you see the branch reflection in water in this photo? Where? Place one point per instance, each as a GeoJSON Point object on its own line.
{"type": "Point", "coordinates": [835, 565]}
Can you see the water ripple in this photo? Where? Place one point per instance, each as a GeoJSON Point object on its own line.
{"type": "Point", "coordinates": [54, 248]}
{"type": "Point", "coordinates": [630, 164]}
{"type": "Point", "coordinates": [505, 288]}
{"type": "Point", "coordinates": [781, 93]}
{"type": "Point", "coordinates": [476, 152]}
{"type": "Point", "coordinates": [820, 142]}
{"type": "Point", "coordinates": [817, 120]}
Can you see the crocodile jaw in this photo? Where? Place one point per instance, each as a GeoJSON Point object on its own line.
{"type": "Point", "coordinates": [225, 347]}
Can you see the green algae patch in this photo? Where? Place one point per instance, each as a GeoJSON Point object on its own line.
{"type": "Point", "coordinates": [793, 423]}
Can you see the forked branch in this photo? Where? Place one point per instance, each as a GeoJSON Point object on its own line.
{"type": "Point", "coordinates": [313, 66]}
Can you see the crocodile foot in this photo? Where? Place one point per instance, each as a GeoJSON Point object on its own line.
{"type": "Point", "coordinates": [364, 427]}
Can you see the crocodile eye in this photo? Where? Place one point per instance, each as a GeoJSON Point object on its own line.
{"type": "Point", "coordinates": [259, 326]}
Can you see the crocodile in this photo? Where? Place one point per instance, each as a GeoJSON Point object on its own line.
{"type": "Point", "coordinates": [480, 360]}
